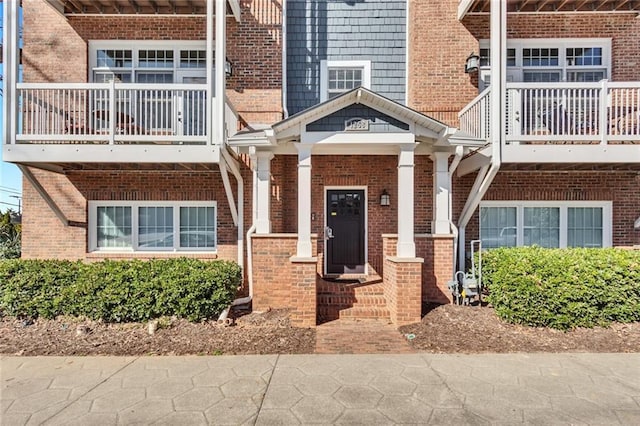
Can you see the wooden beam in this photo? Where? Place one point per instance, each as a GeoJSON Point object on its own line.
{"type": "Point", "coordinates": [541, 6]}
{"type": "Point", "coordinates": [581, 4]}
{"type": "Point", "coordinates": [602, 3]}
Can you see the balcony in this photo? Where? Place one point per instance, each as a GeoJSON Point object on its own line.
{"type": "Point", "coordinates": [563, 122]}
{"type": "Point", "coordinates": [114, 122]}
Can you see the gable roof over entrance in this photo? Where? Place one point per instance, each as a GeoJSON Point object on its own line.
{"type": "Point", "coordinates": [406, 121]}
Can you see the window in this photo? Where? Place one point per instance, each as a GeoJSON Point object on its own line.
{"type": "Point", "coordinates": [148, 62]}
{"type": "Point", "coordinates": [113, 227]}
{"type": "Point", "coordinates": [337, 77]}
{"type": "Point", "coordinates": [551, 60]}
{"type": "Point", "coordinates": [546, 224]}
{"type": "Point", "coordinates": [152, 226]}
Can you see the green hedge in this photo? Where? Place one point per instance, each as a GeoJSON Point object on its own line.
{"type": "Point", "coordinates": [563, 288]}
{"type": "Point", "coordinates": [117, 291]}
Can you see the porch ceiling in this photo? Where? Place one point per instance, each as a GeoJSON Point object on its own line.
{"type": "Point", "coordinates": [138, 7]}
{"type": "Point", "coordinates": [475, 7]}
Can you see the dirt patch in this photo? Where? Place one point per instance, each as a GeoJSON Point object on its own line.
{"type": "Point", "coordinates": [255, 333]}
{"type": "Point", "coordinates": [444, 329]}
{"type": "Point", "coordinates": [473, 329]}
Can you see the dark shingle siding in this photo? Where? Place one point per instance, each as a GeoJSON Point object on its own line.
{"type": "Point", "coordinates": [344, 30]}
{"type": "Point", "coordinates": [378, 122]}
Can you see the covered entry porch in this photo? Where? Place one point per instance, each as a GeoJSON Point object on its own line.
{"type": "Point", "coordinates": [353, 193]}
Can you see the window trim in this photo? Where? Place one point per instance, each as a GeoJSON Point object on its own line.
{"type": "Point", "coordinates": [93, 226]}
{"type": "Point", "coordinates": [607, 217]}
{"type": "Point", "coordinates": [324, 74]}
{"type": "Point", "coordinates": [516, 73]}
{"type": "Point", "coordinates": [136, 46]}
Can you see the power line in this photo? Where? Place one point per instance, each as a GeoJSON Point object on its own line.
{"type": "Point", "coordinates": [8, 187]}
{"type": "Point", "coordinates": [8, 191]}
{"type": "Point", "coordinates": [9, 204]}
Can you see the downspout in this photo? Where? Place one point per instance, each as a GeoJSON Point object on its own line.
{"type": "Point", "coordinates": [498, 98]}
{"type": "Point", "coordinates": [249, 270]}
{"type": "Point", "coordinates": [235, 170]}
{"type": "Point", "coordinates": [454, 229]}
{"type": "Point", "coordinates": [285, 108]}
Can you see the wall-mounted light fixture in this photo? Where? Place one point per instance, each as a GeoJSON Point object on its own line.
{"type": "Point", "coordinates": [228, 67]}
{"type": "Point", "coordinates": [471, 64]}
{"type": "Point", "coordinates": [385, 198]}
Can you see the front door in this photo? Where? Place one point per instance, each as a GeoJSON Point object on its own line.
{"type": "Point", "coordinates": [345, 231]}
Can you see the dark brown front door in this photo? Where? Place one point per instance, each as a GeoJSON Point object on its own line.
{"type": "Point", "coordinates": [345, 231]}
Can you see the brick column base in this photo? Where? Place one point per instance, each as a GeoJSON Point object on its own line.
{"type": "Point", "coordinates": [281, 280]}
{"type": "Point", "coordinates": [403, 289]}
{"type": "Point", "coordinates": [437, 252]}
{"type": "Point", "coordinates": [303, 292]}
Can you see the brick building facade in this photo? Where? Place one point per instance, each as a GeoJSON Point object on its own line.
{"type": "Point", "coordinates": [270, 183]}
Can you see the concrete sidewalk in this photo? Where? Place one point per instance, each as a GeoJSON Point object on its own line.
{"type": "Point", "coordinates": [342, 389]}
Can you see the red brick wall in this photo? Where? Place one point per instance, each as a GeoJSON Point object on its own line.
{"type": "Point", "coordinates": [44, 236]}
{"type": "Point", "coordinates": [279, 283]}
{"type": "Point", "coordinates": [56, 50]}
{"type": "Point", "coordinates": [437, 269]}
{"type": "Point", "coordinates": [439, 45]}
{"type": "Point", "coordinates": [620, 187]}
{"type": "Point", "coordinates": [375, 172]}
{"type": "Point", "coordinates": [438, 48]}
{"type": "Point", "coordinates": [623, 29]}
{"type": "Point", "coordinates": [402, 284]}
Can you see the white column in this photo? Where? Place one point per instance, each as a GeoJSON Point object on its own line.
{"type": "Point", "coordinates": [304, 201]}
{"type": "Point", "coordinates": [406, 244]}
{"type": "Point", "coordinates": [263, 199]}
{"type": "Point", "coordinates": [209, 70]}
{"type": "Point", "coordinates": [220, 80]}
{"type": "Point", "coordinates": [441, 193]}
{"type": "Point", "coordinates": [11, 58]}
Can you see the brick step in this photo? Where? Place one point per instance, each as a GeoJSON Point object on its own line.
{"type": "Point", "coordinates": [371, 279]}
{"type": "Point", "coordinates": [365, 313]}
{"type": "Point", "coordinates": [350, 289]}
{"type": "Point", "coordinates": [347, 301]}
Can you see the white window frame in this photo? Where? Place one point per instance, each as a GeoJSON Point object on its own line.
{"type": "Point", "coordinates": [324, 74]}
{"type": "Point", "coordinates": [93, 225]}
{"type": "Point", "coordinates": [607, 221]}
{"type": "Point", "coordinates": [516, 73]}
{"type": "Point", "coordinates": [136, 46]}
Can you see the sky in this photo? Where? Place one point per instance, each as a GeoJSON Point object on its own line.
{"type": "Point", "coordinates": [10, 176]}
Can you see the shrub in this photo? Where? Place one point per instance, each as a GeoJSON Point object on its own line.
{"type": "Point", "coordinates": [118, 291]}
{"type": "Point", "coordinates": [563, 288]}
{"type": "Point", "coordinates": [10, 240]}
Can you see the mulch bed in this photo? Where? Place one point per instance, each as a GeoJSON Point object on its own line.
{"type": "Point", "coordinates": [475, 329]}
{"type": "Point", "coordinates": [444, 329]}
{"type": "Point", "coordinates": [266, 333]}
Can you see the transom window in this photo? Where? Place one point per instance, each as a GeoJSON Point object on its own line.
{"type": "Point", "coordinates": [546, 224]}
{"type": "Point", "coordinates": [337, 77]}
{"type": "Point", "coordinates": [152, 226]}
{"type": "Point", "coordinates": [551, 60]}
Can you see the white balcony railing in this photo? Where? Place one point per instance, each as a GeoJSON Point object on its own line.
{"type": "Point", "coordinates": [115, 113]}
{"type": "Point", "coordinates": [577, 113]}
{"type": "Point", "coordinates": [474, 118]}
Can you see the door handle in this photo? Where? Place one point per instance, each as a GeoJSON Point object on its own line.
{"type": "Point", "coordinates": [328, 233]}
